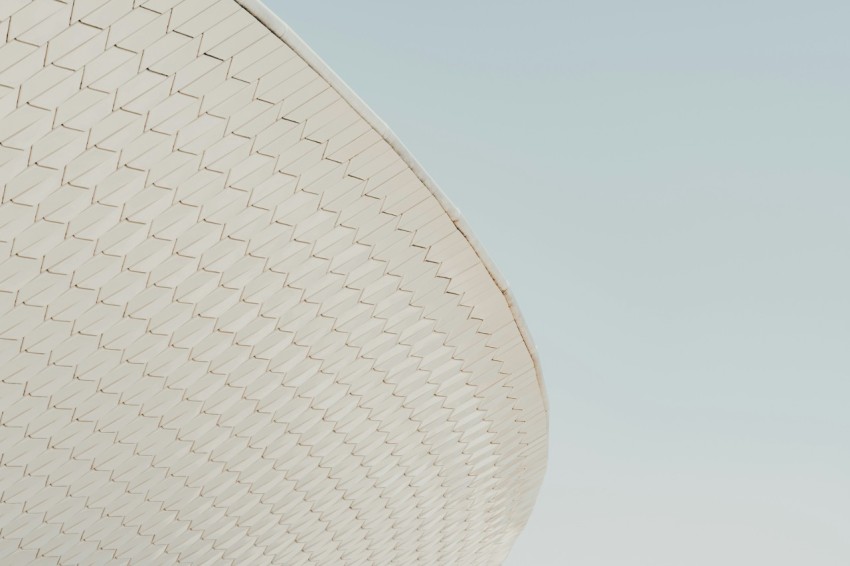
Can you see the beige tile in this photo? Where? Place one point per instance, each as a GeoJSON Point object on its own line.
{"type": "Point", "coordinates": [110, 70]}
{"type": "Point", "coordinates": [203, 243]}
{"type": "Point", "coordinates": [194, 17]}
{"type": "Point", "coordinates": [233, 44]}
{"type": "Point", "coordinates": [46, 79]}
{"type": "Point", "coordinates": [43, 22]}
{"type": "Point", "coordinates": [24, 127]}
{"type": "Point", "coordinates": [177, 59]}
{"type": "Point", "coordinates": [37, 18]}
{"type": "Point", "coordinates": [23, 62]}
{"type": "Point", "coordinates": [10, 7]}
{"type": "Point", "coordinates": [140, 37]}
{"type": "Point", "coordinates": [167, 45]}
{"type": "Point", "coordinates": [83, 55]}
{"type": "Point", "coordinates": [229, 25]}
{"type": "Point", "coordinates": [58, 148]}
{"type": "Point", "coordinates": [117, 129]}
{"type": "Point", "coordinates": [85, 7]}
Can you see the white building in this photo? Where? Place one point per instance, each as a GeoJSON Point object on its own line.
{"type": "Point", "coordinates": [240, 325]}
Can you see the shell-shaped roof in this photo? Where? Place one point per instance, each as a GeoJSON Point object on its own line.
{"type": "Point", "coordinates": [238, 323]}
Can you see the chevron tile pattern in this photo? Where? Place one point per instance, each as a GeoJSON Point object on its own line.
{"type": "Point", "coordinates": [236, 327]}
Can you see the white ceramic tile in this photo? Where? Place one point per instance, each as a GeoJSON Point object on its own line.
{"type": "Point", "coordinates": [49, 20]}
{"type": "Point", "coordinates": [12, 6]}
{"type": "Point", "coordinates": [249, 331]}
{"type": "Point", "coordinates": [35, 14]}
{"type": "Point", "coordinates": [83, 54]}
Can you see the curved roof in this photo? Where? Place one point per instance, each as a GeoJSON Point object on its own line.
{"type": "Point", "coordinates": [294, 41]}
{"type": "Point", "coordinates": [238, 323]}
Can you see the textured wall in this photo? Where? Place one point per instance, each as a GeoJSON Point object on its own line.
{"type": "Point", "coordinates": [236, 326]}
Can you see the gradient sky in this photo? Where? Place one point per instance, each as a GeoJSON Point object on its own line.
{"type": "Point", "coordinates": [666, 186]}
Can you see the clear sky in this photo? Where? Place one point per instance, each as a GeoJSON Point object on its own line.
{"type": "Point", "coordinates": [666, 186]}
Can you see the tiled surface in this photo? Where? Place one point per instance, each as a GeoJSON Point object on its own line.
{"type": "Point", "coordinates": [236, 327]}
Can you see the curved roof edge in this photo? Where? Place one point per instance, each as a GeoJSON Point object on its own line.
{"type": "Point", "coordinates": [277, 26]}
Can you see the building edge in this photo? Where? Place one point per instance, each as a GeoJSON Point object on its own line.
{"type": "Point", "coordinates": [281, 29]}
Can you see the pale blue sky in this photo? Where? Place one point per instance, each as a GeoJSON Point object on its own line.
{"type": "Point", "coordinates": [666, 186]}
